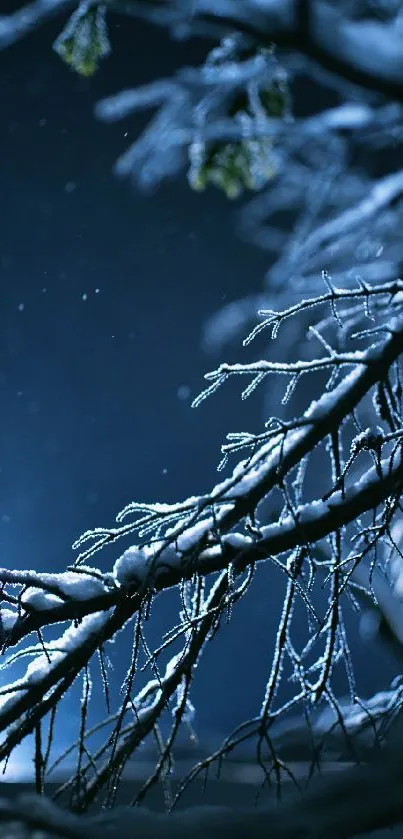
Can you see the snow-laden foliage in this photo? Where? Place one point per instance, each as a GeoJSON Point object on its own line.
{"type": "Point", "coordinates": [84, 41]}
{"type": "Point", "coordinates": [317, 491]}
{"type": "Point", "coordinates": [209, 546]}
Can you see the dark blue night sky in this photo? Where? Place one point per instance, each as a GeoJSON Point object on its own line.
{"type": "Point", "coordinates": [103, 296]}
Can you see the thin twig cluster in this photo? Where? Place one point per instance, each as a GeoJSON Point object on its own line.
{"type": "Point", "coordinates": [210, 546]}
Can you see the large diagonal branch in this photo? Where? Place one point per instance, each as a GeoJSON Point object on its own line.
{"type": "Point", "coordinates": [27, 701]}
{"type": "Point", "coordinates": [33, 698]}
{"type": "Point", "coordinates": [267, 467]}
{"type": "Point", "coordinates": [244, 491]}
{"type": "Point", "coordinates": [321, 418]}
{"type": "Point", "coordinates": [311, 522]}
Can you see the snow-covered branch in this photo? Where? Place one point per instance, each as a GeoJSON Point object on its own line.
{"type": "Point", "coordinates": [221, 532]}
{"type": "Point", "coordinates": [232, 123]}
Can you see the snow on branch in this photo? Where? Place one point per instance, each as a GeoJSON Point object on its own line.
{"type": "Point", "coordinates": [222, 532]}
{"type": "Point", "coordinates": [231, 123]}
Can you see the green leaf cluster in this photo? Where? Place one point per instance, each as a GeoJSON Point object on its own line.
{"type": "Point", "coordinates": [234, 167]}
{"type": "Point", "coordinates": [84, 41]}
{"type": "Point", "coordinates": [245, 165]}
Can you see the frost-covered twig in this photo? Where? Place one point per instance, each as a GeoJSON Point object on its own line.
{"type": "Point", "coordinates": [231, 122]}
{"type": "Point", "coordinates": [184, 543]}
